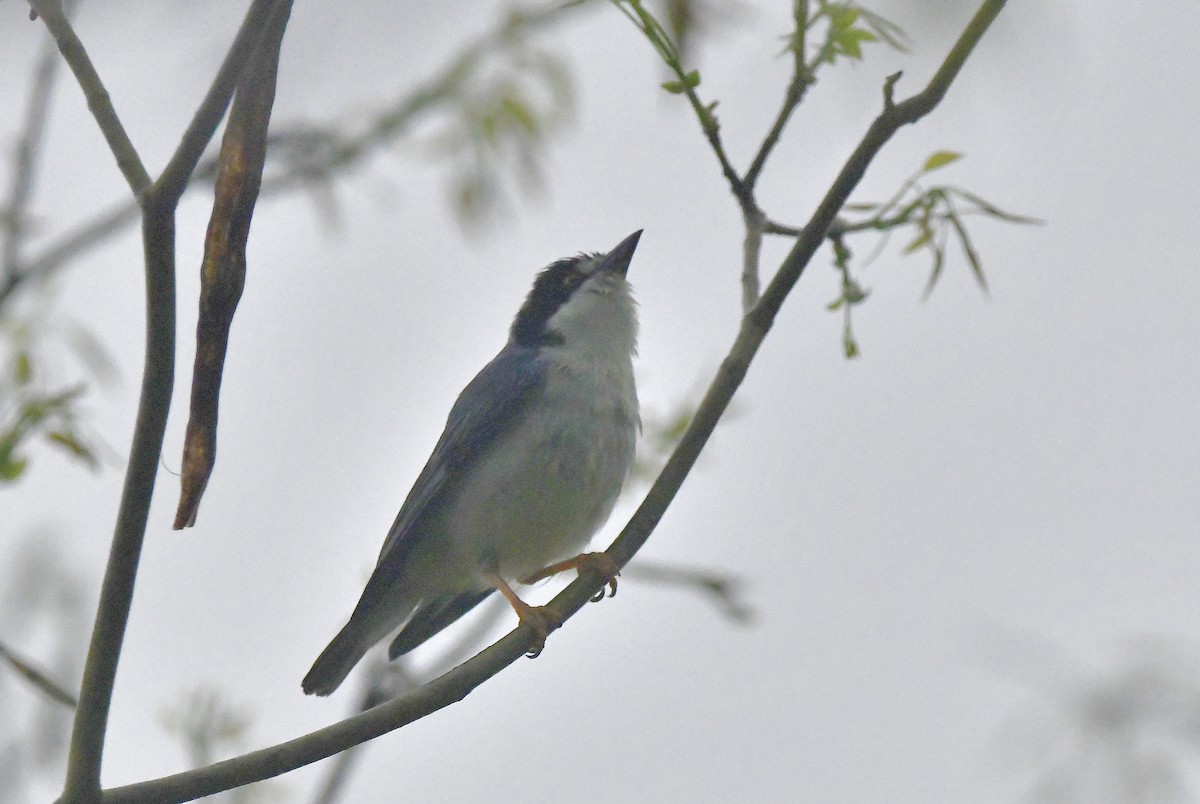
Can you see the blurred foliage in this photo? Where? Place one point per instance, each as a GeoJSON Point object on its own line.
{"type": "Point", "coordinates": [37, 677]}
{"type": "Point", "coordinates": [211, 728]}
{"type": "Point", "coordinates": [34, 407]}
{"type": "Point", "coordinates": [487, 116]}
{"type": "Point", "coordinates": [845, 28]}
{"type": "Point", "coordinates": [44, 618]}
{"type": "Point", "coordinates": [207, 724]}
{"type": "Point", "coordinates": [661, 432]}
{"type": "Point", "coordinates": [1127, 733]}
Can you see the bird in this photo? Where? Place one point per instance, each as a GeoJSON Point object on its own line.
{"type": "Point", "coordinates": [534, 455]}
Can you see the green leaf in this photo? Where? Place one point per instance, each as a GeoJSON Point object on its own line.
{"type": "Point", "coordinates": [861, 207]}
{"type": "Point", "coordinates": [939, 260]}
{"type": "Point", "coordinates": [989, 208]}
{"type": "Point", "coordinates": [939, 159]}
{"type": "Point", "coordinates": [73, 445]}
{"type": "Point", "coordinates": [849, 344]}
{"type": "Point", "coordinates": [850, 42]}
{"type": "Point", "coordinates": [12, 468]}
{"type": "Point", "coordinates": [842, 17]}
{"type": "Point", "coordinates": [919, 242]}
{"type": "Point", "coordinates": [674, 87]}
{"type": "Point", "coordinates": [692, 79]}
{"type": "Point", "coordinates": [853, 292]}
{"type": "Point", "coordinates": [520, 113]}
{"type": "Point", "coordinates": [836, 304]}
{"type": "Point", "coordinates": [22, 368]}
{"type": "Point", "coordinates": [970, 252]}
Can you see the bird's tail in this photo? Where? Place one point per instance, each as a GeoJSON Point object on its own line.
{"type": "Point", "coordinates": [336, 661]}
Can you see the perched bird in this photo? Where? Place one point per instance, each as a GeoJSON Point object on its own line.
{"type": "Point", "coordinates": [534, 454]}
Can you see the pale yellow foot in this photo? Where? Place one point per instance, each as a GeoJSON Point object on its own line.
{"type": "Point", "coordinates": [542, 619]}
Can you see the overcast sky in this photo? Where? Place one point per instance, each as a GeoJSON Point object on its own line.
{"type": "Point", "coordinates": [994, 488]}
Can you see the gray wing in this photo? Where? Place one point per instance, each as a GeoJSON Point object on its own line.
{"type": "Point", "coordinates": [499, 392]}
{"type": "Point", "coordinates": [431, 617]}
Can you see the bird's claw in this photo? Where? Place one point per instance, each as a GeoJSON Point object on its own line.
{"type": "Point", "coordinates": [600, 564]}
{"type": "Point", "coordinates": [543, 620]}
{"type": "Point", "coordinates": [592, 563]}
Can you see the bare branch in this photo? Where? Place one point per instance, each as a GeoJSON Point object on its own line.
{"type": "Point", "coordinates": [97, 96]}
{"type": "Point", "coordinates": [116, 593]}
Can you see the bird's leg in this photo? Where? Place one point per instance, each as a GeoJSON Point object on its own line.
{"type": "Point", "coordinates": [542, 619]}
{"type": "Point", "coordinates": [595, 563]}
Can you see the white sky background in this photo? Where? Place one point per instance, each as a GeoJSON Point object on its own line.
{"type": "Point", "coordinates": [990, 474]}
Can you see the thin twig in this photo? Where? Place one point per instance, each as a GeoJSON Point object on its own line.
{"type": "Point", "coordinates": [662, 42]}
{"type": "Point", "coordinates": [97, 96]}
{"type": "Point", "coordinates": [459, 682]}
{"type": "Point", "coordinates": [74, 243]}
{"type": "Point", "coordinates": [774, 228]}
{"type": "Point", "coordinates": [37, 677]}
{"type": "Point", "coordinates": [801, 80]}
{"type": "Point", "coordinates": [720, 588]}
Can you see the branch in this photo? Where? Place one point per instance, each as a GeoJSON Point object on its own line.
{"type": "Point", "coordinates": [462, 680]}
{"type": "Point", "coordinates": [116, 593]}
{"type": "Point", "coordinates": [97, 96]}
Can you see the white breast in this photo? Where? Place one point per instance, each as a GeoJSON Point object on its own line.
{"type": "Point", "coordinates": [543, 489]}
{"type": "Point", "coordinates": [541, 492]}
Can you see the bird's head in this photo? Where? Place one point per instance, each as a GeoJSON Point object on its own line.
{"type": "Point", "coordinates": [582, 304]}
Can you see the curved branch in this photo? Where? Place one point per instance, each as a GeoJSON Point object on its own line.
{"type": "Point", "coordinates": [455, 685]}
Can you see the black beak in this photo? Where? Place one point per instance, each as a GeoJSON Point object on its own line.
{"type": "Point", "coordinates": [618, 259]}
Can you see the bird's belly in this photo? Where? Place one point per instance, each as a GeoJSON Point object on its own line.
{"type": "Point", "coordinates": [538, 495]}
